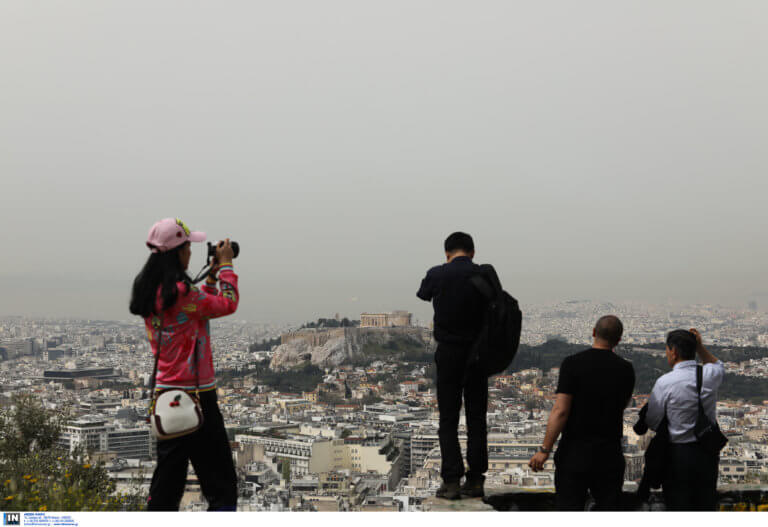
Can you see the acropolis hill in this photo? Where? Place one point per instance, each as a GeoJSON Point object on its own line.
{"type": "Point", "coordinates": [380, 335]}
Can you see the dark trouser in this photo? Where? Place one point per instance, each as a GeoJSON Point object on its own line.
{"type": "Point", "coordinates": [605, 487]}
{"type": "Point", "coordinates": [211, 457]}
{"type": "Point", "coordinates": [580, 468]}
{"type": "Point", "coordinates": [690, 481]}
{"type": "Point", "coordinates": [451, 385]}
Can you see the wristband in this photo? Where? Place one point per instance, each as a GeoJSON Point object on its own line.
{"type": "Point", "coordinates": [544, 450]}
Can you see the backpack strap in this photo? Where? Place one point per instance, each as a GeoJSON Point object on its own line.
{"type": "Point", "coordinates": [482, 285]}
{"type": "Point", "coordinates": [486, 281]}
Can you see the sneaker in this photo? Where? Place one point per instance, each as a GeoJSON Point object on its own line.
{"type": "Point", "coordinates": [449, 491]}
{"type": "Point", "coordinates": [473, 487]}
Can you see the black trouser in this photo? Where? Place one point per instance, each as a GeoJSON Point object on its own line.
{"type": "Point", "coordinates": [211, 457]}
{"type": "Point", "coordinates": [690, 480]}
{"type": "Point", "coordinates": [604, 486]}
{"type": "Point", "coordinates": [580, 468]}
{"type": "Point", "coordinates": [452, 383]}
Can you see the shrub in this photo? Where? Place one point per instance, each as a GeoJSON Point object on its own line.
{"type": "Point", "coordinates": [38, 475]}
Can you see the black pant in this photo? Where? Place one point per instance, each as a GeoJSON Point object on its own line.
{"type": "Point", "coordinates": [452, 383]}
{"type": "Point", "coordinates": [604, 486]}
{"type": "Point", "coordinates": [581, 467]}
{"type": "Point", "coordinates": [690, 480]}
{"type": "Point", "coordinates": [211, 457]}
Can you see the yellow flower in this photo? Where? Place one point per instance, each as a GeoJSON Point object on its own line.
{"type": "Point", "coordinates": [28, 476]}
{"type": "Point", "coordinates": [7, 481]}
{"type": "Point", "coordinates": [43, 508]}
{"type": "Point", "coordinates": [33, 480]}
{"type": "Point", "coordinates": [87, 465]}
{"type": "Point", "coordinates": [67, 475]}
{"type": "Point", "coordinates": [9, 498]}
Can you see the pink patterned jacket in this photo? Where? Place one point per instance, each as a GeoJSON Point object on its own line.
{"type": "Point", "coordinates": [186, 331]}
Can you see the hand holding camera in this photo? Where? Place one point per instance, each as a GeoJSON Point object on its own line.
{"type": "Point", "coordinates": [220, 254]}
{"type": "Point", "coordinates": [224, 252]}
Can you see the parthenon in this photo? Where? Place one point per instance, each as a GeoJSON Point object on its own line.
{"type": "Point", "coordinates": [385, 320]}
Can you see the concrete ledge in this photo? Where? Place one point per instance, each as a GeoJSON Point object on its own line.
{"type": "Point", "coordinates": [462, 505]}
{"type": "Point", "coordinates": [730, 499]}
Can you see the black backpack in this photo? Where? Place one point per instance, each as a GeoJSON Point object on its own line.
{"type": "Point", "coordinates": [499, 337]}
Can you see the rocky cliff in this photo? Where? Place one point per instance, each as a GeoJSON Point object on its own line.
{"type": "Point", "coordinates": [353, 345]}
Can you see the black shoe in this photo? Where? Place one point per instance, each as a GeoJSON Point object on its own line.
{"type": "Point", "coordinates": [449, 491]}
{"type": "Point", "coordinates": [473, 487]}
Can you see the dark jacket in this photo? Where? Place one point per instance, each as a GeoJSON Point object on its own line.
{"type": "Point", "coordinates": [655, 455]}
{"type": "Point", "coordinates": [459, 306]}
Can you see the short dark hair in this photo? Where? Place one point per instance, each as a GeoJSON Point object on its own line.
{"type": "Point", "coordinates": [459, 241]}
{"type": "Point", "coordinates": [684, 342]}
{"type": "Point", "coordinates": [609, 328]}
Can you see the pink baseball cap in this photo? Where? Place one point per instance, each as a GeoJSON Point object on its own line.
{"type": "Point", "coordinates": [169, 233]}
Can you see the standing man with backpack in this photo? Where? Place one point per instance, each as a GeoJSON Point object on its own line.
{"type": "Point", "coordinates": [462, 332]}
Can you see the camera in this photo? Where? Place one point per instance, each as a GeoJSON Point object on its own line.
{"type": "Point", "coordinates": [212, 250]}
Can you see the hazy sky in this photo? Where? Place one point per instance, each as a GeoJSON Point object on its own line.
{"type": "Point", "coordinates": [604, 150]}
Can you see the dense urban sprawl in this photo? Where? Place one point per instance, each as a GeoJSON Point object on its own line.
{"type": "Point", "coordinates": [358, 436]}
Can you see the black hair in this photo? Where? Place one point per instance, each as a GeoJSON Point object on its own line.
{"type": "Point", "coordinates": [609, 328]}
{"type": "Point", "coordinates": [459, 241]}
{"type": "Point", "coordinates": [162, 268]}
{"type": "Point", "coordinates": [684, 342]}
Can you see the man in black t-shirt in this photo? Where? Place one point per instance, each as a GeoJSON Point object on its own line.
{"type": "Point", "coordinates": [593, 390]}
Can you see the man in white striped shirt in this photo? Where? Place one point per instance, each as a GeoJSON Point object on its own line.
{"type": "Point", "coordinates": [690, 482]}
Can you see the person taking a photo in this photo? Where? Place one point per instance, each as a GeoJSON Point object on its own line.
{"type": "Point", "coordinates": [177, 312]}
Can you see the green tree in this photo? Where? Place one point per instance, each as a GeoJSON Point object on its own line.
{"type": "Point", "coordinates": [39, 475]}
{"type": "Point", "coordinates": [286, 470]}
{"type": "Point", "coordinates": [391, 386]}
{"type": "Point", "coordinates": [265, 345]}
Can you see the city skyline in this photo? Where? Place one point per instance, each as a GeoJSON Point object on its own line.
{"type": "Point", "coordinates": [618, 307]}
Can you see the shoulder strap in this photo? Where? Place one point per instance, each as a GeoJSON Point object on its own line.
{"type": "Point", "coordinates": [157, 356]}
{"type": "Point", "coordinates": [482, 285]}
{"type": "Point", "coordinates": [197, 367]}
{"type": "Point", "coordinates": [154, 369]}
{"type": "Point", "coordinates": [486, 281]}
{"type": "Point", "coordinates": [699, 375]}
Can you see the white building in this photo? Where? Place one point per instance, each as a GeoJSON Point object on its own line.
{"type": "Point", "coordinates": [95, 435]}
